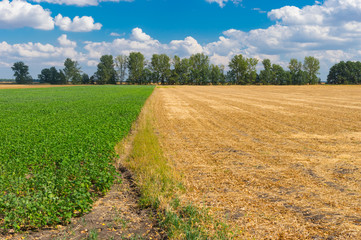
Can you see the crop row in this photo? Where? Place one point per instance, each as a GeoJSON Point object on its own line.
{"type": "Point", "coordinates": [57, 148]}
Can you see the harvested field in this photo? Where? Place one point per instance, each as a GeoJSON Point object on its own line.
{"type": "Point", "coordinates": [278, 162]}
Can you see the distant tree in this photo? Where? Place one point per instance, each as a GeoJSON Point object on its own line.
{"type": "Point", "coordinates": [45, 76]}
{"type": "Point", "coordinates": [297, 76]}
{"type": "Point", "coordinates": [72, 72]}
{"type": "Point", "coordinates": [266, 74]}
{"type": "Point", "coordinates": [345, 73]}
{"type": "Point", "coordinates": [121, 63]}
{"type": "Point", "coordinates": [147, 76]}
{"type": "Point", "coordinates": [181, 71]}
{"type": "Point", "coordinates": [311, 66]}
{"type": "Point", "coordinates": [52, 76]}
{"type": "Point", "coordinates": [106, 73]}
{"type": "Point", "coordinates": [217, 74]}
{"type": "Point", "coordinates": [160, 64]}
{"type": "Point", "coordinates": [21, 73]}
{"type": "Point", "coordinates": [85, 79]}
{"type": "Point", "coordinates": [136, 63]}
{"type": "Point", "coordinates": [199, 69]}
{"type": "Point", "coordinates": [278, 75]}
{"type": "Point", "coordinates": [243, 70]}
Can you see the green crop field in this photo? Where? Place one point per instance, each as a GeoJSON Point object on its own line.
{"type": "Point", "coordinates": [57, 148]}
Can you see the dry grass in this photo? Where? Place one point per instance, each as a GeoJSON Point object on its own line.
{"type": "Point", "coordinates": [278, 162]}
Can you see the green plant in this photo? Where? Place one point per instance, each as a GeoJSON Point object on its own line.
{"type": "Point", "coordinates": [57, 149]}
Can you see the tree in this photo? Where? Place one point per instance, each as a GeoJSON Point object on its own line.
{"type": "Point", "coordinates": [136, 63]}
{"type": "Point", "coordinates": [106, 73]}
{"type": "Point", "coordinates": [181, 72]}
{"type": "Point", "coordinates": [311, 66]}
{"type": "Point", "coordinates": [72, 71]}
{"type": "Point", "coordinates": [297, 76]}
{"type": "Point", "coordinates": [243, 70]}
{"type": "Point", "coordinates": [52, 76]}
{"type": "Point", "coordinates": [147, 76]}
{"type": "Point", "coordinates": [121, 63]}
{"type": "Point", "coordinates": [85, 79]}
{"type": "Point", "coordinates": [21, 73]}
{"type": "Point", "coordinates": [160, 65]}
{"type": "Point", "coordinates": [199, 69]}
{"type": "Point", "coordinates": [217, 74]}
{"type": "Point", "coordinates": [266, 74]}
{"type": "Point", "coordinates": [345, 73]}
{"type": "Point", "coordinates": [278, 75]}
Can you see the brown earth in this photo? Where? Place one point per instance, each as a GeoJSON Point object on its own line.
{"type": "Point", "coordinates": [278, 162]}
{"type": "Point", "coordinates": [19, 86]}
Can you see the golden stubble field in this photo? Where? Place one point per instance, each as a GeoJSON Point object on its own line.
{"type": "Point", "coordinates": [278, 162]}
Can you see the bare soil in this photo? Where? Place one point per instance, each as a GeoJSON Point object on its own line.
{"type": "Point", "coordinates": [278, 162]}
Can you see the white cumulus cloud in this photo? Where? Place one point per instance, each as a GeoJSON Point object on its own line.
{"type": "Point", "coordinates": [19, 14]}
{"type": "Point", "coordinates": [64, 41]}
{"type": "Point", "coordinates": [78, 24]}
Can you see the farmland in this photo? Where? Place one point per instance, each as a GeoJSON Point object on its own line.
{"type": "Point", "coordinates": [57, 147]}
{"type": "Point", "coordinates": [276, 162]}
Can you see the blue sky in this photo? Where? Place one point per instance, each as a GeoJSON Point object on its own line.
{"type": "Point", "coordinates": [43, 33]}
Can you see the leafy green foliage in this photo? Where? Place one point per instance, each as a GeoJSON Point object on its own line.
{"type": "Point", "coordinates": [56, 149]}
{"type": "Point", "coordinates": [72, 72]}
{"type": "Point", "coordinates": [106, 73]}
{"type": "Point", "coordinates": [21, 73]}
{"type": "Point", "coordinates": [136, 63]}
{"type": "Point", "coordinates": [345, 73]}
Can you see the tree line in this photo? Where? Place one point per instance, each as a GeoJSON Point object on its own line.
{"type": "Point", "coordinates": [195, 70]}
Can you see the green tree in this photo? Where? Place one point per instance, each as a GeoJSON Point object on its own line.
{"type": "Point", "coordinates": [85, 79]}
{"type": "Point", "coordinates": [72, 71]}
{"type": "Point", "coordinates": [52, 76]}
{"type": "Point", "coordinates": [136, 63]}
{"type": "Point", "coordinates": [199, 69]}
{"type": "Point", "coordinates": [160, 65]}
{"type": "Point", "coordinates": [311, 66]}
{"type": "Point", "coordinates": [266, 74]}
{"type": "Point", "coordinates": [147, 76]}
{"type": "Point", "coordinates": [243, 70]}
{"type": "Point", "coordinates": [106, 73]}
{"type": "Point", "coordinates": [181, 71]}
{"type": "Point", "coordinates": [21, 73]}
{"type": "Point", "coordinates": [278, 75]}
{"type": "Point", "coordinates": [345, 73]}
{"type": "Point", "coordinates": [297, 76]}
{"type": "Point", "coordinates": [217, 74]}
{"type": "Point", "coordinates": [121, 63]}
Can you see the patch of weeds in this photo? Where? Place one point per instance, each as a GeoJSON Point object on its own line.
{"type": "Point", "coordinates": [159, 184]}
{"type": "Point", "coordinates": [191, 222]}
{"type": "Point", "coordinates": [93, 235]}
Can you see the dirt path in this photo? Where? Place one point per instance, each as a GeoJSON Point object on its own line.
{"type": "Point", "coordinates": [115, 216]}
{"type": "Point", "coordinates": [278, 162]}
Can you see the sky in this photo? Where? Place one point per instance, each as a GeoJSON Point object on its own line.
{"type": "Point", "coordinates": [43, 33]}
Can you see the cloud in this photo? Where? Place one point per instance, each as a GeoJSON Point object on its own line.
{"type": "Point", "coordinates": [19, 14]}
{"type": "Point", "coordinates": [79, 2]}
{"type": "Point", "coordinates": [222, 3]}
{"type": "Point", "coordinates": [78, 24]}
{"type": "Point", "coordinates": [139, 35]}
{"type": "Point", "coordinates": [65, 42]}
{"type": "Point", "coordinates": [329, 31]}
{"type": "Point", "coordinates": [114, 34]}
